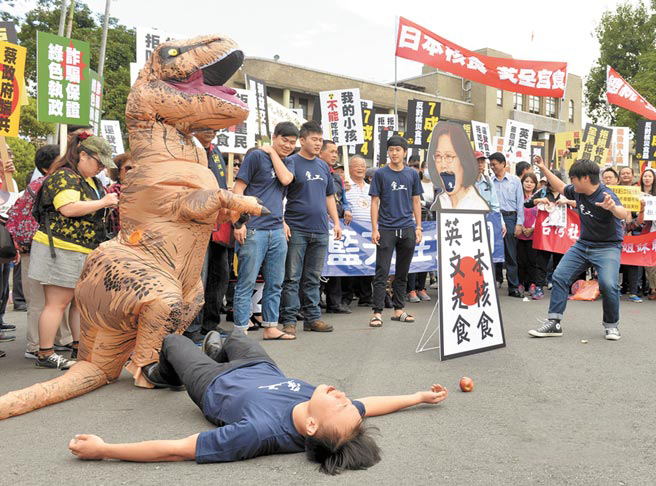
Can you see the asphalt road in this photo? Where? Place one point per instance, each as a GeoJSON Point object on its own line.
{"type": "Point", "coordinates": [543, 411]}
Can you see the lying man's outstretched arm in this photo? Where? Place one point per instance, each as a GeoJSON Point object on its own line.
{"type": "Point", "coordinates": [382, 405]}
{"type": "Point", "coordinates": [93, 447]}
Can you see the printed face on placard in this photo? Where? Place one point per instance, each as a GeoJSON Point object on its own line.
{"type": "Point", "coordinates": [453, 169]}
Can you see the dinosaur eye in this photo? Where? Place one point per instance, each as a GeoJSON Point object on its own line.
{"type": "Point", "coordinates": [172, 52]}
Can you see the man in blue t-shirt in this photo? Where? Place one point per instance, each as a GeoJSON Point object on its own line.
{"type": "Point", "coordinates": [310, 201]}
{"type": "Point", "coordinates": [395, 210]}
{"type": "Point", "coordinates": [599, 245]}
{"type": "Point", "coordinates": [265, 174]}
{"type": "Point", "coordinates": [257, 409]}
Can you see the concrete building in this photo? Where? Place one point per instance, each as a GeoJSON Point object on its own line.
{"type": "Point", "coordinates": [298, 87]}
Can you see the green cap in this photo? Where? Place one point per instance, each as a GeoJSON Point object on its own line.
{"type": "Point", "coordinates": [101, 148]}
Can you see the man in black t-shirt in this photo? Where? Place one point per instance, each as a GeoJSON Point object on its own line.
{"type": "Point", "coordinates": [599, 245]}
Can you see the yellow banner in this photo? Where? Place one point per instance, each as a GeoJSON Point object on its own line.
{"type": "Point", "coordinates": [12, 86]}
{"type": "Point", "coordinates": [629, 196]}
{"type": "Point", "coordinates": [567, 141]}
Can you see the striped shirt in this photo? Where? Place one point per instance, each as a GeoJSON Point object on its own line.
{"type": "Point", "coordinates": [360, 202]}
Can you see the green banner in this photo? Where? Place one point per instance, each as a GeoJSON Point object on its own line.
{"type": "Point", "coordinates": [95, 111]}
{"type": "Point", "coordinates": [63, 80]}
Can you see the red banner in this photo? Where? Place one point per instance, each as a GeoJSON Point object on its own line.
{"type": "Point", "coordinates": [621, 93]}
{"type": "Point", "coordinates": [529, 77]}
{"type": "Point", "coordinates": [637, 250]}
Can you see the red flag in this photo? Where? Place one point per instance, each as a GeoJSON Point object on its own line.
{"type": "Point", "coordinates": [529, 77]}
{"type": "Point", "coordinates": [621, 93]}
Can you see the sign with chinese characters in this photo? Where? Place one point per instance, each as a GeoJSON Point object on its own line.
{"type": "Point", "coordinates": [110, 130]}
{"type": "Point", "coordinates": [537, 148]}
{"type": "Point", "coordinates": [95, 110]}
{"type": "Point", "coordinates": [63, 80]}
{"type": "Point", "coordinates": [629, 196]}
{"type": "Point", "coordinates": [355, 255]}
{"type": "Point", "coordinates": [341, 116]}
{"type": "Point", "coordinates": [638, 250]}
{"type": "Point", "coordinates": [621, 93]}
{"type": "Point", "coordinates": [482, 139]}
{"type": "Point", "coordinates": [381, 123]}
{"type": "Point", "coordinates": [8, 32]}
{"type": "Point", "coordinates": [619, 147]}
{"type": "Point", "coordinates": [470, 316]}
{"type": "Point", "coordinates": [650, 208]}
{"type": "Point", "coordinates": [529, 77]}
{"type": "Point", "coordinates": [147, 41]}
{"type": "Point", "coordinates": [258, 87]}
{"type": "Point", "coordinates": [237, 139]}
{"type": "Point", "coordinates": [517, 142]}
{"type": "Point", "coordinates": [595, 143]}
{"type": "Point", "coordinates": [278, 113]}
{"type": "Point", "coordinates": [12, 84]}
{"type": "Point", "coordinates": [420, 122]}
{"type": "Point", "coordinates": [365, 148]}
{"type": "Point", "coordinates": [567, 141]}
{"type": "Point", "coordinates": [645, 142]}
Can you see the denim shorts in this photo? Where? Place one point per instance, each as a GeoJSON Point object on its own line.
{"type": "Point", "coordinates": [63, 271]}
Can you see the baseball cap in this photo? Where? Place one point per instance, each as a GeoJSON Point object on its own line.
{"type": "Point", "coordinates": [101, 148]}
{"type": "Point", "coordinates": [479, 155]}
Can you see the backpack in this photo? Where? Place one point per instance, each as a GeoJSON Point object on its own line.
{"type": "Point", "coordinates": [21, 223]}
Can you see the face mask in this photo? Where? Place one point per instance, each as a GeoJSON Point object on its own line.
{"type": "Point", "coordinates": [449, 180]}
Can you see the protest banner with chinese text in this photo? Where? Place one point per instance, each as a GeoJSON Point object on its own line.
{"type": "Point", "coordinates": [110, 130]}
{"type": "Point", "coordinates": [63, 80]}
{"type": "Point", "coordinates": [278, 113]}
{"type": "Point", "coordinates": [95, 110]}
{"type": "Point", "coordinates": [8, 32]}
{"type": "Point", "coordinates": [237, 139]}
{"type": "Point", "coordinates": [258, 87]}
{"type": "Point", "coordinates": [595, 143]}
{"type": "Point", "coordinates": [481, 135]}
{"type": "Point", "coordinates": [650, 208]}
{"type": "Point", "coordinates": [629, 196]}
{"type": "Point", "coordinates": [382, 123]}
{"type": "Point", "coordinates": [567, 141]}
{"type": "Point", "coordinates": [341, 116]}
{"type": "Point", "coordinates": [366, 148]}
{"type": "Point", "coordinates": [621, 93]}
{"type": "Point", "coordinates": [420, 121]}
{"type": "Point", "coordinates": [619, 147]}
{"type": "Point", "coordinates": [645, 142]}
{"type": "Point", "coordinates": [147, 40]}
{"type": "Point", "coordinates": [12, 86]}
{"type": "Point", "coordinates": [470, 316]}
{"type": "Point", "coordinates": [517, 141]}
{"type": "Point", "coordinates": [529, 77]}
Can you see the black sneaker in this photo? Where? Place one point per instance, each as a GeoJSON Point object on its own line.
{"type": "Point", "coordinates": [154, 377]}
{"type": "Point", "coordinates": [550, 328]}
{"type": "Point", "coordinates": [4, 327]}
{"type": "Point", "coordinates": [54, 361]}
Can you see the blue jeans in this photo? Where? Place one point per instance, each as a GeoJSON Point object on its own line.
{"type": "Point", "coordinates": [305, 258]}
{"type": "Point", "coordinates": [606, 261]}
{"type": "Point", "coordinates": [261, 246]}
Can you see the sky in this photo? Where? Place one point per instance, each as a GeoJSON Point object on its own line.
{"type": "Point", "coordinates": [357, 38]}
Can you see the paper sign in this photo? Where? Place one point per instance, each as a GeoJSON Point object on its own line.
{"type": "Point", "coordinates": [629, 196]}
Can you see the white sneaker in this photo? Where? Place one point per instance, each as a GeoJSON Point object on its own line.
{"type": "Point", "coordinates": [613, 334]}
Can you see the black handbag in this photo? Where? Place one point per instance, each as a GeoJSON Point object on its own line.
{"type": "Point", "coordinates": [7, 248]}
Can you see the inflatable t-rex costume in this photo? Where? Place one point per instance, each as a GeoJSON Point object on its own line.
{"type": "Point", "coordinates": [145, 284]}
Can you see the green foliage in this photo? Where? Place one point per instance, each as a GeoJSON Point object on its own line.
{"type": "Point", "coordinates": [87, 26]}
{"type": "Point", "coordinates": [627, 39]}
{"type": "Point", "coordinates": [23, 159]}
{"type": "Point", "coordinates": [30, 126]}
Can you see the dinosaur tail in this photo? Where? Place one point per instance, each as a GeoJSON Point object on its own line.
{"type": "Point", "coordinates": [82, 378]}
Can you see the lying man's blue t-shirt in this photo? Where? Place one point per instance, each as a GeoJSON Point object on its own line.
{"type": "Point", "coordinates": [599, 227]}
{"type": "Point", "coordinates": [256, 403]}
{"type": "Point", "coordinates": [261, 181]}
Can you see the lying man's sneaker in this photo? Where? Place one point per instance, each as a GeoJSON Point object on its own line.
{"type": "Point", "coordinates": [212, 344]}
{"type": "Point", "coordinates": [550, 328]}
{"type": "Point", "coordinates": [154, 377]}
{"type": "Point", "coordinates": [613, 334]}
{"type": "Point", "coordinates": [634, 298]}
{"type": "Point", "coordinates": [54, 361]}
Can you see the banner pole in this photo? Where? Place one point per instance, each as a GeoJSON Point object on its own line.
{"type": "Point", "coordinates": [560, 115]}
{"type": "Point", "coordinates": [396, 91]}
{"type": "Point", "coordinates": [103, 44]}
{"type": "Point", "coordinates": [60, 32]}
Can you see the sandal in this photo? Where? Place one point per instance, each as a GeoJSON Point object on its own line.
{"type": "Point", "coordinates": [404, 317]}
{"type": "Point", "coordinates": [283, 337]}
{"type": "Point", "coordinates": [375, 322]}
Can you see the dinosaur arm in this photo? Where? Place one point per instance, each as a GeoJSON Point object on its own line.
{"type": "Point", "coordinates": [205, 204]}
{"type": "Point", "coordinates": [93, 447]}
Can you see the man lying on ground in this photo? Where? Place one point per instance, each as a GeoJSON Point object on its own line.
{"type": "Point", "coordinates": [257, 409]}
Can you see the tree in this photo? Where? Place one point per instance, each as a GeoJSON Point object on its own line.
{"type": "Point", "coordinates": [627, 39]}
{"type": "Point", "coordinates": [23, 159]}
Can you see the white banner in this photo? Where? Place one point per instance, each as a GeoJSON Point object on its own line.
{"type": "Point", "coordinates": [482, 139]}
{"type": "Point", "coordinates": [619, 147]}
{"type": "Point", "coordinates": [382, 122]}
{"type": "Point", "coordinates": [341, 116]}
{"type": "Point", "coordinates": [278, 113]}
{"type": "Point", "coordinates": [237, 139]}
{"type": "Point", "coordinates": [110, 130]}
{"type": "Point", "coordinates": [650, 208]}
{"type": "Point", "coordinates": [470, 316]}
{"type": "Point", "coordinates": [517, 141]}
{"type": "Point", "coordinates": [147, 42]}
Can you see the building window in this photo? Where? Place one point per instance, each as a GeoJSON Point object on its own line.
{"type": "Point", "coordinates": [551, 107]}
{"type": "Point", "coordinates": [518, 101]}
{"type": "Point", "coordinates": [499, 97]}
{"type": "Point", "coordinates": [499, 131]}
{"type": "Point", "coordinates": [533, 104]}
{"type": "Point", "coordinates": [571, 111]}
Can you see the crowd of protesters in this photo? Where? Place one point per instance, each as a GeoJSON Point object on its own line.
{"type": "Point", "coordinates": [305, 190]}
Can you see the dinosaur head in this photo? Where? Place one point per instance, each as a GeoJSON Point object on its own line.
{"type": "Point", "coordinates": [182, 84]}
